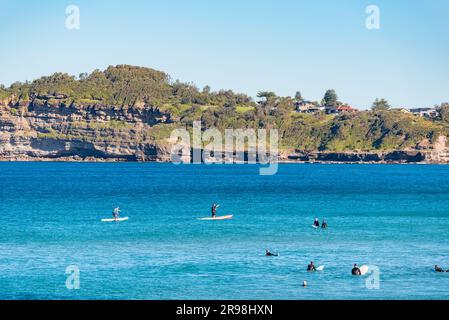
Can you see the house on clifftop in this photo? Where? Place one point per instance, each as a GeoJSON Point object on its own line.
{"type": "Point", "coordinates": [430, 113]}
{"type": "Point", "coordinates": [307, 107]}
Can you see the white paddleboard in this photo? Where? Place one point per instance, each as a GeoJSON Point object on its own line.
{"type": "Point", "coordinates": [320, 268]}
{"type": "Point", "coordinates": [115, 220]}
{"type": "Point", "coordinates": [217, 218]}
{"type": "Point", "coordinates": [364, 270]}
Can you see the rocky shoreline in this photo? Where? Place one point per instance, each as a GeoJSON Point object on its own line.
{"type": "Point", "coordinates": [394, 157]}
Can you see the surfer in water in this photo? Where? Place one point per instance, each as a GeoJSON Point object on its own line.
{"type": "Point", "coordinates": [356, 271]}
{"type": "Point", "coordinates": [311, 267]}
{"type": "Point", "coordinates": [116, 213]}
{"type": "Point", "coordinates": [214, 209]}
{"type": "Point", "coordinates": [439, 269]}
{"type": "Point", "coordinates": [269, 254]}
{"type": "Point", "coordinates": [324, 224]}
{"type": "Point", "coordinates": [316, 223]}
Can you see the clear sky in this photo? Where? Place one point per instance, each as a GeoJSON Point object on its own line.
{"type": "Point", "coordinates": [244, 45]}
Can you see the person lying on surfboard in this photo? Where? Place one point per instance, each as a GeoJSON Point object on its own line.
{"type": "Point", "coordinates": [269, 254]}
{"type": "Point", "coordinates": [311, 267]}
{"type": "Point", "coordinates": [439, 269]}
{"type": "Point", "coordinates": [356, 271]}
{"type": "Point", "coordinates": [214, 209]}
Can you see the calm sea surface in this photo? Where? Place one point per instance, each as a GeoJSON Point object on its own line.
{"type": "Point", "coordinates": [393, 217]}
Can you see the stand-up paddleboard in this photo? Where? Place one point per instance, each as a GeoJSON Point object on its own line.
{"type": "Point", "coordinates": [217, 218]}
{"type": "Point", "coordinates": [115, 220]}
{"type": "Point", "coordinates": [364, 270]}
{"type": "Point", "coordinates": [320, 268]}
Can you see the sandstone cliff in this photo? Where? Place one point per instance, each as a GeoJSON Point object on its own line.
{"type": "Point", "coordinates": [51, 130]}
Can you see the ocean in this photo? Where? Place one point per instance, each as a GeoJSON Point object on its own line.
{"type": "Point", "coordinates": [391, 217]}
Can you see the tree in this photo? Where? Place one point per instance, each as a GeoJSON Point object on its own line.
{"type": "Point", "coordinates": [330, 98]}
{"type": "Point", "coordinates": [206, 90]}
{"type": "Point", "coordinates": [298, 96]}
{"type": "Point", "coordinates": [380, 105]}
{"type": "Point", "coordinates": [266, 94]}
{"type": "Point", "coordinates": [444, 111]}
{"type": "Point", "coordinates": [83, 76]}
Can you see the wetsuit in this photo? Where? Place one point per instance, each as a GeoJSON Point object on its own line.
{"type": "Point", "coordinates": [311, 267]}
{"type": "Point", "coordinates": [438, 269]}
{"type": "Point", "coordinates": [356, 271]}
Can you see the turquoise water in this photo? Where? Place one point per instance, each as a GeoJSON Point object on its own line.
{"type": "Point", "coordinates": [394, 217]}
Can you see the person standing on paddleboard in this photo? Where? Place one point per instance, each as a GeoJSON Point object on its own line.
{"type": "Point", "coordinates": [116, 213]}
{"type": "Point", "coordinates": [214, 209]}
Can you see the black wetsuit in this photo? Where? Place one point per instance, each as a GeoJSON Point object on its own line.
{"type": "Point", "coordinates": [438, 269]}
{"type": "Point", "coordinates": [311, 267]}
{"type": "Point", "coordinates": [356, 271]}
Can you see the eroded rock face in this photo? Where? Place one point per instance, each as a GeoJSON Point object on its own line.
{"type": "Point", "coordinates": [43, 131]}
{"type": "Point", "coordinates": [97, 112]}
{"type": "Point", "coordinates": [440, 151]}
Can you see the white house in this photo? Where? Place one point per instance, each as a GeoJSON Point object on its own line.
{"type": "Point", "coordinates": [307, 107]}
{"type": "Point", "coordinates": [425, 112]}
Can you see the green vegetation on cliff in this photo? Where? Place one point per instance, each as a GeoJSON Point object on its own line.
{"type": "Point", "coordinates": [179, 104]}
{"type": "Point", "coordinates": [123, 85]}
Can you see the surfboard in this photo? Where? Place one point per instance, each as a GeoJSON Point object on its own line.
{"type": "Point", "coordinates": [315, 227]}
{"type": "Point", "coordinates": [320, 268]}
{"type": "Point", "coordinates": [115, 220]}
{"type": "Point", "coordinates": [364, 270]}
{"type": "Point", "coordinates": [229, 217]}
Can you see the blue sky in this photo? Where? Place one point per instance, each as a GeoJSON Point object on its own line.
{"type": "Point", "coordinates": [246, 45]}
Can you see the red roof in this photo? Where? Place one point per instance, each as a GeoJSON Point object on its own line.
{"type": "Point", "coordinates": [346, 108]}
